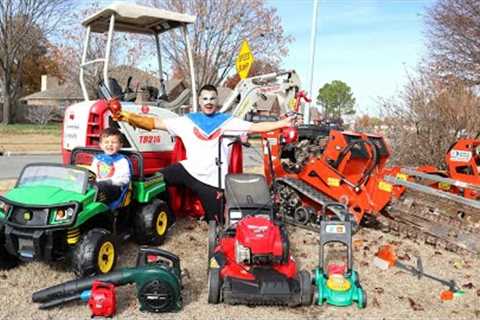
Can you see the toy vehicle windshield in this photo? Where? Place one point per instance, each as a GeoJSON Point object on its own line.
{"type": "Point", "coordinates": [68, 179]}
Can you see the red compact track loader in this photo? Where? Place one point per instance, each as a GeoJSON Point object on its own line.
{"type": "Point", "coordinates": [326, 166]}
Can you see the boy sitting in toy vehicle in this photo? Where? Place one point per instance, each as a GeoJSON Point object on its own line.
{"type": "Point", "coordinates": [111, 168]}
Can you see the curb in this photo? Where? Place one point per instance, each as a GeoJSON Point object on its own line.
{"type": "Point", "coordinates": [28, 153]}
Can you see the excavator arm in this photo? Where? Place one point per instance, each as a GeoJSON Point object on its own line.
{"type": "Point", "coordinates": [251, 91]}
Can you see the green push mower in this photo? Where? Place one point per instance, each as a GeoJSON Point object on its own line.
{"type": "Point", "coordinates": [334, 284]}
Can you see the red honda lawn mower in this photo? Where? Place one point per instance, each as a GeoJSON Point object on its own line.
{"type": "Point", "coordinates": [249, 253]}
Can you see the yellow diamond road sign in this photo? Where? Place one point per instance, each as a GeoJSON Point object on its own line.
{"type": "Point", "coordinates": [244, 60]}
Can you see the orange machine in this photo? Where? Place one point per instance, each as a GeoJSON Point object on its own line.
{"type": "Point", "coordinates": [462, 174]}
{"type": "Point", "coordinates": [342, 166]}
{"type": "Point", "coordinates": [463, 166]}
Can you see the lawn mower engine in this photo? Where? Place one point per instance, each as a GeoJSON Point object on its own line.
{"type": "Point", "coordinates": [259, 241]}
{"type": "Point", "coordinates": [250, 260]}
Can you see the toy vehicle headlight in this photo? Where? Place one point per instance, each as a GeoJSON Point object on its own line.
{"type": "Point", "coordinates": [61, 215]}
{"type": "Point", "coordinates": [477, 151]}
{"type": "Point", "coordinates": [4, 207]}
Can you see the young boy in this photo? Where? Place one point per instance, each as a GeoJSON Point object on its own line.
{"type": "Point", "coordinates": [111, 168]}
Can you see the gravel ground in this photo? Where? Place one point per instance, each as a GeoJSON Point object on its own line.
{"type": "Point", "coordinates": [392, 294]}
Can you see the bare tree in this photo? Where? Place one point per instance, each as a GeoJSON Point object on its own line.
{"type": "Point", "coordinates": [453, 30]}
{"type": "Point", "coordinates": [428, 117]}
{"type": "Point", "coordinates": [127, 49]}
{"type": "Point", "coordinates": [217, 35]}
{"type": "Point", "coordinates": [42, 115]}
{"type": "Point", "coordinates": [22, 22]}
{"type": "Point", "coordinates": [259, 67]}
{"type": "Point", "coordinates": [367, 123]}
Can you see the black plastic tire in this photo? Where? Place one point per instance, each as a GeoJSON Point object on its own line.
{"type": "Point", "coordinates": [151, 223]}
{"type": "Point", "coordinates": [87, 252]}
{"type": "Point", "coordinates": [7, 261]}
{"type": "Point", "coordinates": [212, 238]}
{"type": "Point", "coordinates": [306, 290]}
{"type": "Point", "coordinates": [214, 285]}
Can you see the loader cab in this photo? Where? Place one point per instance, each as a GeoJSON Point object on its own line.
{"type": "Point", "coordinates": [84, 121]}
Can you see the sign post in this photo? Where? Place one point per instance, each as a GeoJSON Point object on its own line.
{"type": "Point", "coordinates": [244, 60]}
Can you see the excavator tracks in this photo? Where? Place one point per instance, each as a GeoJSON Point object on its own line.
{"type": "Point", "coordinates": [440, 222]}
{"type": "Point", "coordinates": [443, 223]}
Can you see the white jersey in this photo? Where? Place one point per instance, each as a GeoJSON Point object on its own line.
{"type": "Point", "coordinates": [115, 168]}
{"type": "Point", "coordinates": [202, 146]}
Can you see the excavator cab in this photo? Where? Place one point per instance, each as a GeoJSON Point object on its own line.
{"type": "Point", "coordinates": [84, 121]}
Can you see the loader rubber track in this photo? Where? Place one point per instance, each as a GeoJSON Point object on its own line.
{"type": "Point", "coordinates": [294, 187]}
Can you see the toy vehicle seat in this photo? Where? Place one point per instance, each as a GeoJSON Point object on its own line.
{"type": "Point", "coordinates": [246, 194]}
{"type": "Point", "coordinates": [84, 157]}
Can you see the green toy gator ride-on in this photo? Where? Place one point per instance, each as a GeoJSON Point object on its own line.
{"type": "Point", "coordinates": [52, 213]}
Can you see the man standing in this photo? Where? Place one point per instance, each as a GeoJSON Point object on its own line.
{"type": "Point", "coordinates": [200, 132]}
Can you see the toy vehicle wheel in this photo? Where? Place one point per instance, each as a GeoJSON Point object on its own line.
{"type": "Point", "coordinates": [7, 261]}
{"type": "Point", "coordinates": [212, 238]}
{"type": "Point", "coordinates": [152, 222]}
{"type": "Point", "coordinates": [214, 284]}
{"type": "Point", "coordinates": [306, 294]}
{"type": "Point", "coordinates": [96, 253]}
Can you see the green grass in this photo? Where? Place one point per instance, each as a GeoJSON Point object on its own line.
{"type": "Point", "coordinates": [53, 129]}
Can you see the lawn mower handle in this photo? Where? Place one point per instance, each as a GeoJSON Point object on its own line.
{"type": "Point", "coordinates": [218, 162]}
{"type": "Point", "coordinates": [346, 217]}
{"type": "Point", "coordinates": [332, 236]}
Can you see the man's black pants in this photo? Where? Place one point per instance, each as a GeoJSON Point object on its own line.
{"type": "Point", "coordinates": [176, 175]}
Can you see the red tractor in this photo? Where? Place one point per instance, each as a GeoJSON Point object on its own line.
{"type": "Point", "coordinates": [324, 166]}
{"type": "Point", "coordinates": [249, 254]}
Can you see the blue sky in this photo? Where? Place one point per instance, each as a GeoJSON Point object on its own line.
{"type": "Point", "coordinates": [369, 44]}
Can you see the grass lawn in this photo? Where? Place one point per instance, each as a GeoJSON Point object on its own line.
{"type": "Point", "coordinates": [30, 138]}
{"type": "Point", "coordinates": [21, 129]}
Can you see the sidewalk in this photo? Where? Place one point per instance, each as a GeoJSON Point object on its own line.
{"type": "Point", "coordinates": [26, 153]}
